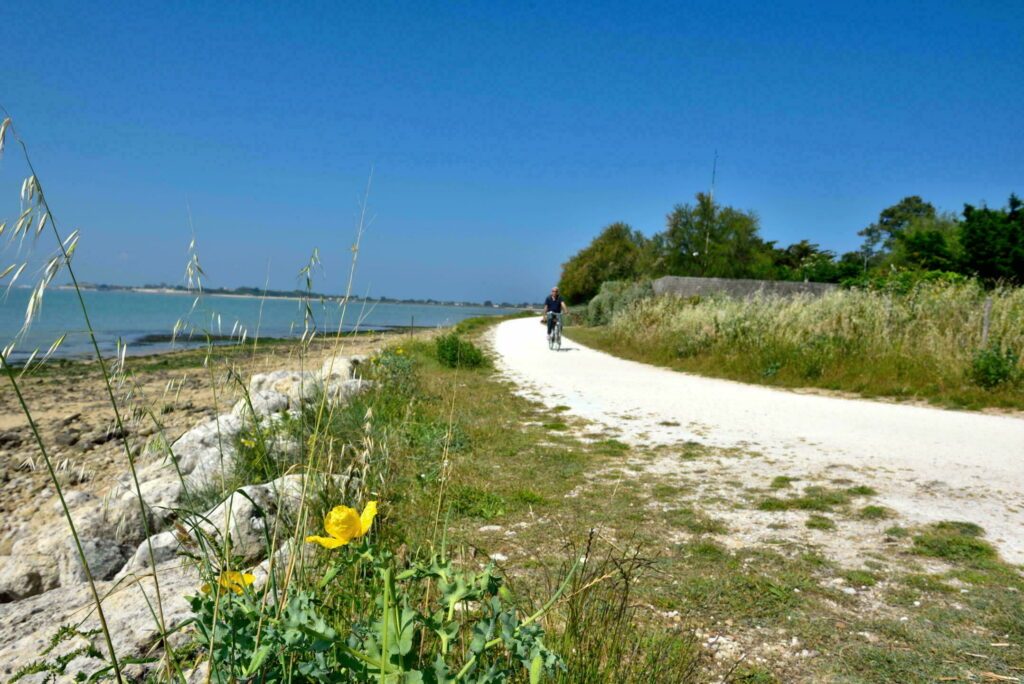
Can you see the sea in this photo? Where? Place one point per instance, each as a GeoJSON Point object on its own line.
{"type": "Point", "coordinates": [145, 321]}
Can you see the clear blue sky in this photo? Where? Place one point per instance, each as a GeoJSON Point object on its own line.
{"type": "Point", "coordinates": [504, 136]}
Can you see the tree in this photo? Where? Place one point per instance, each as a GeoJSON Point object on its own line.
{"type": "Point", "coordinates": [708, 240]}
{"type": "Point", "coordinates": [993, 242]}
{"type": "Point", "coordinates": [932, 244]}
{"type": "Point", "coordinates": [850, 265]}
{"type": "Point", "coordinates": [615, 254]}
{"type": "Point", "coordinates": [881, 236]}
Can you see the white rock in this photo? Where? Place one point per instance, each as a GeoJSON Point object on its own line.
{"type": "Point", "coordinates": [27, 626]}
{"type": "Point", "coordinates": [165, 546]}
{"type": "Point", "coordinates": [245, 519]}
{"type": "Point", "coordinates": [104, 556]}
{"type": "Point", "coordinates": [342, 391]}
{"type": "Point", "coordinates": [265, 403]}
{"type": "Point", "coordinates": [25, 575]}
{"type": "Point", "coordinates": [295, 385]}
{"type": "Point", "coordinates": [337, 368]}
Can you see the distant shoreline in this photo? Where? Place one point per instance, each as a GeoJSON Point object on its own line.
{"type": "Point", "coordinates": [252, 293]}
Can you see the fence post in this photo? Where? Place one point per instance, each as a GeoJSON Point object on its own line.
{"type": "Point", "coordinates": [985, 322]}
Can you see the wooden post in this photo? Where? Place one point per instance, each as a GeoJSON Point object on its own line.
{"type": "Point", "coordinates": [985, 321]}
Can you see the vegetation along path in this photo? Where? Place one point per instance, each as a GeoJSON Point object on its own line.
{"type": "Point", "coordinates": [927, 464]}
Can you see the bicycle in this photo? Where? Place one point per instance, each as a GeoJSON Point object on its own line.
{"type": "Point", "coordinates": [555, 336]}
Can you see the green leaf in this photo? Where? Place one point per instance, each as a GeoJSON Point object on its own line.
{"type": "Point", "coordinates": [329, 576]}
{"type": "Point", "coordinates": [257, 660]}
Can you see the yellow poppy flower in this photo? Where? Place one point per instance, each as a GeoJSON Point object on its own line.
{"type": "Point", "coordinates": [232, 580]}
{"type": "Point", "coordinates": [343, 524]}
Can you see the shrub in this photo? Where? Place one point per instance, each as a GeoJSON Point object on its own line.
{"type": "Point", "coordinates": [994, 366]}
{"type": "Point", "coordinates": [614, 296]}
{"type": "Point", "coordinates": [454, 352]}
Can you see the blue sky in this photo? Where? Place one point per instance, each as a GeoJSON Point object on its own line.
{"type": "Point", "coordinates": [503, 136]}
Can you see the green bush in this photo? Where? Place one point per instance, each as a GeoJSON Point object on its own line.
{"type": "Point", "coordinates": [613, 296]}
{"type": "Point", "coordinates": [994, 366]}
{"type": "Point", "coordinates": [454, 352]}
{"type": "Point", "coordinates": [902, 282]}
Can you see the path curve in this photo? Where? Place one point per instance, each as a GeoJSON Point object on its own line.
{"type": "Point", "coordinates": [927, 463]}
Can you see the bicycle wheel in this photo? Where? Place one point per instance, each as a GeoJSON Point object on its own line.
{"type": "Point", "coordinates": [558, 340]}
{"type": "Point", "coordinates": [551, 340]}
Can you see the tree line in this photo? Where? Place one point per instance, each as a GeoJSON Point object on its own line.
{"type": "Point", "coordinates": [706, 239]}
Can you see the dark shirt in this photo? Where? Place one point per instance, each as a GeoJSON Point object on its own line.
{"type": "Point", "coordinates": [553, 304]}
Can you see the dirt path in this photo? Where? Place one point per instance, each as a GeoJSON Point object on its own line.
{"type": "Point", "coordinates": [927, 464]}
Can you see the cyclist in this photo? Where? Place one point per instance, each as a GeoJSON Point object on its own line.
{"type": "Point", "coordinates": [554, 304]}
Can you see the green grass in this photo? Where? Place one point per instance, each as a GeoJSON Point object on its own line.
{"type": "Point", "coordinates": [474, 502]}
{"type": "Point", "coordinates": [820, 522]}
{"type": "Point", "coordinates": [954, 541]}
{"type": "Point", "coordinates": [875, 513]}
{"type": "Point", "coordinates": [694, 521]}
{"type": "Point", "coordinates": [477, 324]}
{"type": "Point", "coordinates": [860, 578]}
{"type": "Point", "coordinates": [813, 498]}
{"type": "Point", "coordinates": [782, 482]}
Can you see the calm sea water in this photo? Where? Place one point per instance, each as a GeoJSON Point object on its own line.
{"type": "Point", "coordinates": [145, 320]}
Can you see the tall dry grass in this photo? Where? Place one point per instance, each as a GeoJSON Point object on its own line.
{"type": "Point", "coordinates": [924, 342]}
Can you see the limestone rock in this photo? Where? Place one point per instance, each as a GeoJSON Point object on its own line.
{"type": "Point", "coordinates": [165, 547]}
{"type": "Point", "coordinates": [104, 556]}
{"type": "Point", "coordinates": [295, 385]}
{"type": "Point", "coordinates": [27, 626]}
{"type": "Point", "coordinates": [338, 368]}
{"type": "Point", "coordinates": [246, 519]}
{"type": "Point", "coordinates": [342, 391]}
{"type": "Point", "coordinates": [26, 575]}
{"type": "Point", "coordinates": [263, 403]}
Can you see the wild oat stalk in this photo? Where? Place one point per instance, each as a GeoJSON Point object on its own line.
{"type": "Point", "coordinates": [324, 408]}
{"type": "Point", "coordinates": [32, 193]}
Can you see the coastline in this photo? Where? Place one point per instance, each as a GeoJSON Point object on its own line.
{"type": "Point", "coordinates": [295, 297]}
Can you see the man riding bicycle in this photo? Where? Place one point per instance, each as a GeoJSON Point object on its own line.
{"type": "Point", "coordinates": [554, 304]}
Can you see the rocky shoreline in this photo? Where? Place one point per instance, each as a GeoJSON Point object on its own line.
{"type": "Point", "coordinates": [42, 582]}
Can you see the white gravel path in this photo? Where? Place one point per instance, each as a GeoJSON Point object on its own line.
{"type": "Point", "coordinates": [928, 464]}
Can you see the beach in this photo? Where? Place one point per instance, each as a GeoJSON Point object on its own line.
{"type": "Point", "coordinates": [72, 411]}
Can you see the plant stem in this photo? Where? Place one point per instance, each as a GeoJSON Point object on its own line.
{"type": "Point", "coordinates": [67, 515]}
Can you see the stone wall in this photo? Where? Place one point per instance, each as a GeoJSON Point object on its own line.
{"type": "Point", "coordinates": [738, 287]}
